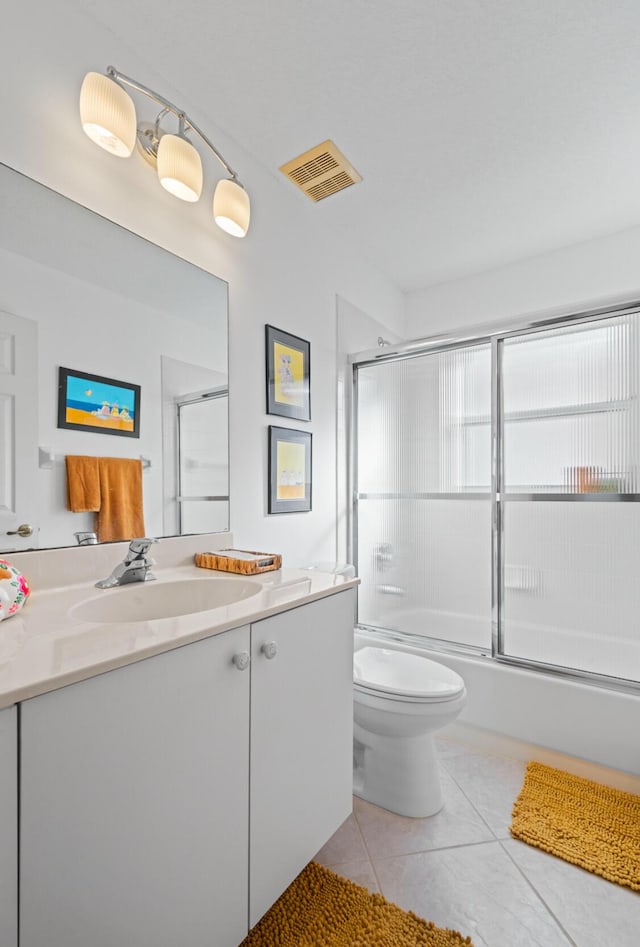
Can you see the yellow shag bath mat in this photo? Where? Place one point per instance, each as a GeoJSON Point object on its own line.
{"type": "Point", "coordinates": [584, 823]}
{"type": "Point", "coordinates": [320, 909]}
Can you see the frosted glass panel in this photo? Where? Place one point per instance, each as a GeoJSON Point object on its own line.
{"type": "Point", "coordinates": [571, 589]}
{"type": "Point", "coordinates": [423, 542]}
{"type": "Point", "coordinates": [568, 425]}
{"type": "Point", "coordinates": [424, 424]}
{"type": "Point", "coordinates": [204, 516]}
{"type": "Point", "coordinates": [203, 432]}
{"type": "Point", "coordinates": [570, 408]}
{"type": "Point", "coordinates": [425, 568]}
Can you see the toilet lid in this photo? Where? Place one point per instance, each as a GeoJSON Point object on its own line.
{"type": "Point", "coordinates": [404, 674]}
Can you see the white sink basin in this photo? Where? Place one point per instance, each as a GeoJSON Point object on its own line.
{"type": "Point", "coordinates": [148, 601]}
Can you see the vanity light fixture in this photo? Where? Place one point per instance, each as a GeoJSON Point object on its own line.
{"type": "Point", "coordinates": [108, 117]}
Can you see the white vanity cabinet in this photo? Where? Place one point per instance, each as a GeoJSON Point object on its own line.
{"type": "Point", "coordinates": [171, 801]}
{"type": "Point", "coordinates": [134, 797]}
{"type": "Point", "coordinates": [8, 828]}
{"type": "Point", "coordinates": [301, 740]}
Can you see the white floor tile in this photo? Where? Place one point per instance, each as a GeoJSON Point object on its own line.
{"type": "Point", "coordinates": [457, 823]}
{"type": "Point", "coordinates": [491, 783]}
{"type": "Point", "coordinates": [346, 845]}
{"type": "Point", "coordinates": [451, 870]}
{"type": "Point", "coordinates": [594, 912]}
{"type": "Point", "coordinates": [475, 889]}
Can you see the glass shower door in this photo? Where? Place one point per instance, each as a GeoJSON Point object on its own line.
{"type": "Point", "coordinates": [570, 520]}
{"type": "Point", "coordinates": [422, 525]}
{"type": "Point", "coordinates": [203, 469]}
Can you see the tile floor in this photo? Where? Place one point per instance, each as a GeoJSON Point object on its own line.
{"type": "Point", "coordinates": [461, 869]}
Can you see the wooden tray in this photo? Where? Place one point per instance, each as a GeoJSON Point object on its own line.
{"type": "Point", "coordinates": [242, 561]}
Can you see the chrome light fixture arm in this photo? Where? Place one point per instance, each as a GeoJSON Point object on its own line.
{"type": "Point", "coordinates": [168, 106]}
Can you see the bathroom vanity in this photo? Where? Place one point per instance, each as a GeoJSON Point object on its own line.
{"type": "Point", "coordinates": [175, 774]}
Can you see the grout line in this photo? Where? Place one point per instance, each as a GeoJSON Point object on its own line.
{"type": "Point", "coordinates": [537, 893]}
{"type": "Point", "coordinates": [471, 803]}
{"type": "Point", "coordinates": [366, 848]}
{"type": "Point", "coordinates": [441, 848]}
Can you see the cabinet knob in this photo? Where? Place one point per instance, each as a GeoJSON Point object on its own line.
{"type": "Point", "coordinates": [241, 660]}
{"type": "Point", "coordinates": [269, 649]}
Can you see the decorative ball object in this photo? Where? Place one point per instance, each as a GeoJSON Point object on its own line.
{"type": "Point", "coordinates": [14, 590]}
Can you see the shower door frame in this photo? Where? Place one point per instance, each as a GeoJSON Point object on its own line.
{"type": "Point", "coordinates": [199, 397]}
{"type": "Point", "coordinates": [495, 334]}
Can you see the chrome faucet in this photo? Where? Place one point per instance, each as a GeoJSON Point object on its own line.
{"type": "Point", "coordinates": [134, 568]}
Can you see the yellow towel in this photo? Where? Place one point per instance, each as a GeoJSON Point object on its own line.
{"type": "Point", "coordinates": [112, 488]}
{"type": "Point", "coordinates": [83, 484]}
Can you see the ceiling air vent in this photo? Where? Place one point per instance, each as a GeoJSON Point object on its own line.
{"type": "Point", "coordinates": [321, 171]}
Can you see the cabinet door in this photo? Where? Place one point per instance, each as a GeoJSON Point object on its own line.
{"type": "Point", "coordinates": [301, 741]}
{"type": "Point", "coordinates": [134, 804]}
{"type": "Point", "coordinates": [8, 828]}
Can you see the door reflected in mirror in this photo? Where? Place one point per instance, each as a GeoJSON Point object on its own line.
{"type": "Point", "coordinates": [77, 290]}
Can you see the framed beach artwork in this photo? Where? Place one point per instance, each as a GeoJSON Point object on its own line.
{"type": "Point", "coordinates": [288, 375]}
{"type": "Point", "coordinates": [98, 404]}
{"type": "Point", "coordinates": [289, 470]}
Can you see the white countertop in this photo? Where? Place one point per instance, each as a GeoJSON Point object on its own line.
{"type": "Point", "coordinates": [44, 647]}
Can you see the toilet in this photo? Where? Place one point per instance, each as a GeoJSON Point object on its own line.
{"type": "Point", "coordinates": [400, 700]}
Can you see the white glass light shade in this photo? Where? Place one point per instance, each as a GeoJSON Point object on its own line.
{"type": "Point", "coordinates": [231, 208]}
{"type": "Point", "coordinates": [179, 168]}
{"type": "Point", "coordinates": [108, 114]}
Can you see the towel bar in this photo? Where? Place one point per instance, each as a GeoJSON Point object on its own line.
{"type": "Point", "coordinates": [47, 459]}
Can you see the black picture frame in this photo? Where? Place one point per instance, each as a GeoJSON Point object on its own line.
{"type": "Point", "coordinates": [290, 472]}
{"type": "Point", "coordinates": [288, 374]}
{"type": "Point", "coordinates": [83, 405]}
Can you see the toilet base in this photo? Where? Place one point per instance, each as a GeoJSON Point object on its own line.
{"type": "Point", "coordinates": [397, 773]}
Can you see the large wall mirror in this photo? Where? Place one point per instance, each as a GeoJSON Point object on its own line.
{"type": "Point", "coordinates": [78, 291]}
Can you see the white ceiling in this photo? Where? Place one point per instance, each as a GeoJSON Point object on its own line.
{"type": "Point", "coordinates": [486, 131]}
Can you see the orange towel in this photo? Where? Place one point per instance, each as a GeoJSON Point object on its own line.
{"type": "Point", "coordinates": [112, 487]}
{"type": "Point", "coordinates": [120, 515]}
{"type": "Point", "coordinates": [83, 484]}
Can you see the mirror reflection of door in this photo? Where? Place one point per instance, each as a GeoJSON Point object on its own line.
{"type": "Point", "coordinates": [18, 430]}
{"type": "Point", "coordinates": [203, 474]}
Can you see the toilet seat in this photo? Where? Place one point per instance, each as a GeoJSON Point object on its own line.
{"type": "Point", "coordinates": [402, 676]}
{"type": "Point", "coordinates": [401, 699]}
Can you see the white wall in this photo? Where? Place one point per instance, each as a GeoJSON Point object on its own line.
{"type": "Point", "coordinates": [567, 280]}
{"type": "Point", "coordinates": [286, 272]}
